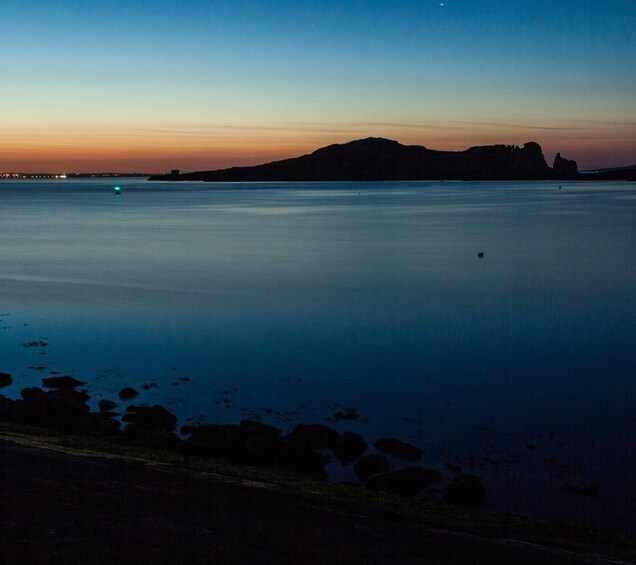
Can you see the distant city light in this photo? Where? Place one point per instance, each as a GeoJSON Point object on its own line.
{"type": "Point", "coordinates": [32, 176]}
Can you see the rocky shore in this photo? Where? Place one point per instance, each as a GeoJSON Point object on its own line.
{"type": "Point", "coordinates": [304, 451]}
{"type": "Point", "coordinates": [277, 476]}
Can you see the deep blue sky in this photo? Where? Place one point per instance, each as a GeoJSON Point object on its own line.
{"type": "Point", "coordinates": [149, 84]}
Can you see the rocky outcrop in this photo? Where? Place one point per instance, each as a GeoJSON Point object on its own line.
{"type": "Point", "coordinates": [349, 447]}
{"type": "Point", "coordinates": [106, 405]}
{"type": "Point", "coordinates": [371, 465]}
{"type": "Point", "coordinates": [128, 393]}
{"type": "Point", "coordinates": [259, 428]}
{"type": "Point", "coordinates": [152, 418]}
{"type": "Point", "coordinates": [384, 159]}
{"type": "Point", "coordinates": [464, 490]}
{"type": "Point", "coordinates": [251, 442]}
{"type": "Point", "coordinates": [564, 168]}
{"type": "Point", "coordinates": [62, 410]}
{"type": "Point", "coordinates": [314, 436]}
{"type": "Point", "coordinates": [62, 382]}
{"type": "Point", "coordinates": [255, 444]}
{"type": "Point", "coordinates": [400, 449]}
{"type": "Point", "coordinates": [5, 379]}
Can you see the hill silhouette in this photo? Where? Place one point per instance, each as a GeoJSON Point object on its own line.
{"type": "Point", "coordinates": [377, 158]}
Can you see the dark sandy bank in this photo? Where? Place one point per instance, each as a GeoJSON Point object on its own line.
{"type": "Point", "coordinates": [70, 499]}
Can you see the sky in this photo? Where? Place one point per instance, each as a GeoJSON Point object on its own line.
{"type": "Point", "coordinates": [152, 85]}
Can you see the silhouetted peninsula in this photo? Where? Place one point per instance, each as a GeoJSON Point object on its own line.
{"type": "Point", "coordinates": [378, 159]}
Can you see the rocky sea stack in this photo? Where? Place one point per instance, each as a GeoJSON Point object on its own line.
{"type": "Point", "coordinates": [564, 168]}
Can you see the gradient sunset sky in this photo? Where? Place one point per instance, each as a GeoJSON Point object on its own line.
{"type": "Point", "coordinates": [141, 85]}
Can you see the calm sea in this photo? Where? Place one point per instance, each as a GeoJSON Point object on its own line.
{"type": "Point", "coordinates": [291, 302]}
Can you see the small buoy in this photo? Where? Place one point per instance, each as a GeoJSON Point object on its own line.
{"type": "Point", "coordinates": [480, 254]}
{"type": "Point", "coordinates": [560, 187]}
{"type": "Point", "coordinates": [117, 190]}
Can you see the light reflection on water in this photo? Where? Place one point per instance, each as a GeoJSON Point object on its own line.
{"type": "Point", "coordinates": [305, 296]}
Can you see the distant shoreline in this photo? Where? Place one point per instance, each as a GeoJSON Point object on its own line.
{"type": "Point", "coordinates": [69, 176]}
{"type": "Point", "coordinates": [378, 159]}
{"type": "Point", "coordinates": [582, 177]}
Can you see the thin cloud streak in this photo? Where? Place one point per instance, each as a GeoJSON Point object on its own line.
{"type": "Point", "coordinates": [325, 127]}
{"type": "Point", "coordinates": [307, 127]}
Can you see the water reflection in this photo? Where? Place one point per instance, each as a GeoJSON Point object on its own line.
{"type": "Point", "coordinates": [370, 296]}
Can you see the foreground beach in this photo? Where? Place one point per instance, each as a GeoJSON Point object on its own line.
{"type": "Point", "coordinates": [74, 499]}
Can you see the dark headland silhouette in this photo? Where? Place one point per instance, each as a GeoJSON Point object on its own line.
{"type": "Point", "coordinates": [376, 158]}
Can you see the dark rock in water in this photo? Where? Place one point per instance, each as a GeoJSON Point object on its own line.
{"type": "Point", "coordinates": [70, 394]}
{"type": "Point", "coordinates": [259, 446]}
{"type": "Point", "coordinates": [397, 448]}
{"type": "Point", "coordinates": [349, 447]}
{"type": "Point", "coordinates": [453, 468]}
{"type": "Point", "coordinates": [348, 414]}
{"type": "Point", "coordinates": [102, 424]}
{"type": "Point", "coordinates": [314, 436]}
{"type": "Point", "coordinates": [188, 430]}
{"type": "Point", "coordinates": [250, 443]}
{"type": "Point", "coordinates": [62, 382]}
{"type": "Point", "coordinates": [404, 482]}
{"type": "Point", "coordinates": [263, 447]}
{"type": "Point", "coordinates": [215, 440]}
{"type": "Point", "coordinates": [33, 394]}
{"type": "Point", "coordinates": [465, 490]}
{"type": "Point", "coordinates": [128, 393]}
{"type": "Point", "coordinates": [260, 450]}
{"type": "Point", "coordinates": [371, 465]}
{"type": "Point", "coordinates": [151, 418]}
{"type": "Point", "coordinates": [7, 409]}
{"type": "Point", "coordinates": [256, 427]}
{"type": "Point", "coordinates": [306, 462]}
{"type": "Point", "coordinates": [564, 168]}
{"type": "Point", "coordinates": [63, 410]}
{"type": "Point", "coordinates": [588, 489]}
{"type": "Point", "coordinates": [106, 405]}
{"type": "Point", "coordinates": [5, 379]}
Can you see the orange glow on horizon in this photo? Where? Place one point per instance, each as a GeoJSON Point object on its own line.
{"type": "Point", "coordinates": [158, 149]}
